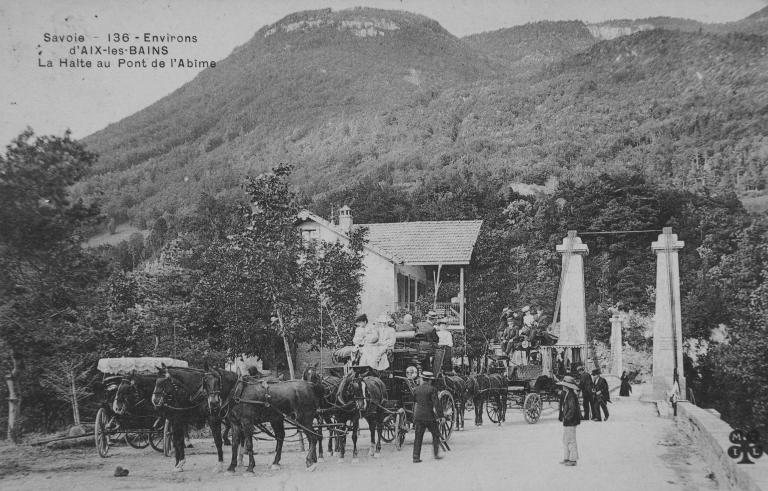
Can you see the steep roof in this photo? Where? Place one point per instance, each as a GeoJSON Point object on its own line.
{"type": "Point", "coordinates": [426, 243]}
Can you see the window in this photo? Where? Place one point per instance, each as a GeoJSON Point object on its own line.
{"type": "Point", "coordinates": [308, 234]}
{"type": "Point", "coordinates": [406, 290]}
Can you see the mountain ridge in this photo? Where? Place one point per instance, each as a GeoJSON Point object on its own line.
{"type": "Point", "coordinates": [348, 101]}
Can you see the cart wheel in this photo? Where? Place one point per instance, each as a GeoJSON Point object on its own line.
{"type": "Point", "coordinates": [389, 428]}
{"type": "Point", "coordinates": [532, 407]}
{"type": "Point", "coordinates": [493, 410]}
{"type": "Point", "coordinates": [137, 440]}
{"type": "Point", "coordinates": [167, 439]}
{"type": "Point", "coordinates": [449, 411]}
{"type": "Point", "coordinates": [100, 434]}
{"type": "Point", "coordinates": [156, 436]}
{"type": "Point", "coordinates": [402, 428]}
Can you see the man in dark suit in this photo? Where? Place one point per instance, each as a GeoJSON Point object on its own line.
{"type": "Point", "coordinates": [585, 386]}
{"type": "Point", "coordinates": [601, 395]}
{"type": "Point", "coordinates": [426, 412]}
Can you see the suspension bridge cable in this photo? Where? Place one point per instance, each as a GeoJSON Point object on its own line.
{"type": "Point", "coordinates": [615, 232]}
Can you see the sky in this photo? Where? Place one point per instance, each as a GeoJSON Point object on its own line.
{"type": "Point", "coordinates": [84, 100]}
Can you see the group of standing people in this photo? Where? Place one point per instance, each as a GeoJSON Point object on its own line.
{"type": "Point", "coordinates": [595, 394]}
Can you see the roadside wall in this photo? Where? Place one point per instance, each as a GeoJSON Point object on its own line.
{"type": "Point", "coordinates": [710, 433]}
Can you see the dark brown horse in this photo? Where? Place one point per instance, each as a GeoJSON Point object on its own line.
{"type": "Point", "coordinates": [134, 395]}
{"type": "Point", "coordinates": [483, 387]}
{"type": "Point", "coordinates": [369, 395]}
{"type": "Point", "coordinates": [180, 397]}
{"type": "Point", "coordinates": [254, 402]}
{"type": "Point", "coordinates": [332, 412]}
{"type": "Point", "coordinates": [457, 386]}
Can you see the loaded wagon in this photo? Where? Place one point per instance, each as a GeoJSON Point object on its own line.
{"type": "Point", "coordinates": [530, 381]}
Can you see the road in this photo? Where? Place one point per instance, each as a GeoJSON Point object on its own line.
{"type": "Point", "coordinates": [633, 450]}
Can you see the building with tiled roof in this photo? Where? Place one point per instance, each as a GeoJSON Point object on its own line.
{"type": "Point", "coordinates": [401, 257]}
{"type": "Point", "coordinates": [426, 243]}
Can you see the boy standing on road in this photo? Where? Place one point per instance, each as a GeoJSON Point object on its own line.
{"type": "Point", "coordinates": [570, 415]}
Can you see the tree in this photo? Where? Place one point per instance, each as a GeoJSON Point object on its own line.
{"type": "Point", "coordinates": [258, 278]}
{"type": "Point", "coordinates": [44, 273]}
{"type": "Point", "coordinates": [68, 379]}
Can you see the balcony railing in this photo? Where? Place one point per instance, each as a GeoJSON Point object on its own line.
{"type": "Point", "coordinates": [446, 310]}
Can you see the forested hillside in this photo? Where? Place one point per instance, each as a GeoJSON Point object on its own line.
{"type": "Point", "coordinates": [393, 96]}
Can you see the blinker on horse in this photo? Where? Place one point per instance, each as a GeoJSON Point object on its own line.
{"type": "Point", "coordinates": [134, 394]}
{"type": "Point", "coordinates": [369, 394]}
{"type": "Point", "coordinates": [180, 395]}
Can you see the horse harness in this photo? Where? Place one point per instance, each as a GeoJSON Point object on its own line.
{"type": "Point", "coordinates": [200, 393]}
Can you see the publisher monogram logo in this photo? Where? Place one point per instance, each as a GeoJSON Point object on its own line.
{"type": "Point", "coordinates": [746, 445]}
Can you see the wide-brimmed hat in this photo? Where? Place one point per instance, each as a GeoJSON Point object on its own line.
{"type": "Point", "coordinates": [428, 375]}
{"type": "Point", "coordinates": [431, 314]}
{"type": "Point", "coordinates": [527, 308]}
{"type": "Point", "coordinates": [361, 318]}
{"type": "Point", "coordinates": [569, 382]}
{"type": "Point", "coordinates": [384, 319]}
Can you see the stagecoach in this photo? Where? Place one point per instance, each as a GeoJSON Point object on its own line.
{"type": "Point", "coordinates": [139, 426]}
{"type": "Point", "coordinates": [400, 380]}
{"type": "Point", "coordinates": [530, 381]}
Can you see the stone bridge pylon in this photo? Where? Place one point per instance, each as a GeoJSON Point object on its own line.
{"type": "Point", "coordinates": [667, 324]}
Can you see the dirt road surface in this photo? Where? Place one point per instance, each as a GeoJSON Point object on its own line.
{"type": "Point", "coordinates": [634, 450]}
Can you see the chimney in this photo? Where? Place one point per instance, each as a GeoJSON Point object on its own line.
{"type": "Point", "coordinates": [345, 219]}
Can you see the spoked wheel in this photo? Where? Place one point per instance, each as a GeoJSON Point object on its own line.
{"type": "Point", "coordinates": [137, 440]}
{"type": "Point", "coordinates": [493, 410]}
{"type": "Point", "coordinates": [389, 428]}
{"type": "Point", "coordinates": [167, 439]}
{"type": "Point", "coordinates": [100, 433]}
{"type": "Point", "coordinates": [401, 426]}
{"type": "Point", "coordinates": [156, 435]}
{"type": "Point", "coordinates": [449, 413]}
{"type": "Point", "coordinates": [532, 407]}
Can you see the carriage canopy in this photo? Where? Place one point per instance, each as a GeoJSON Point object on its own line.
{"type": "Point", "coordinates": [145, 364]}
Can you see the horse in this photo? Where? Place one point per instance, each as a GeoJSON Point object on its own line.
{"type": "Point", "coordinates": [457, 386]}
{"type": "Point", "coordinates": [254, 402]}
{"type": "Point", "coordinates": [217, 386]}
{"type": "Point", "coordinates": [134, 395]}
{"type": "Point", "coordinates": [369, 394]}
{"type": "Point", "coordinates": [481, 387]}
{"type": "Point", "coordinates": [179, 395]}
{"type": "Point", "coordinates": [330, 412]}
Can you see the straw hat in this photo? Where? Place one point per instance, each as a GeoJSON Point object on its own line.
{"type": "Point", "coordinates": [384, 319]}
{"type": "Point", "coordinates": [527, 308]}
{"type": "Point", "coordinates": [428, 375]}
{"type": "Point", "coordinates": [431, 314]}
{"type": "Point", "coordinates": [569, 382]}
